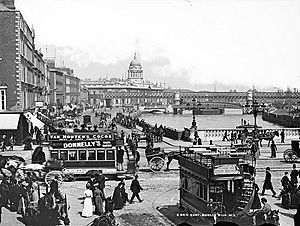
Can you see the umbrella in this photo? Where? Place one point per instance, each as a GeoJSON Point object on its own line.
{"type": "Point", "coordinates": [13, 157]}
{"type": "Point", "coordinates": [92, 173]}
{"type": "Point", "coordinates": [5, 172]}
{"type": "Point", "coordinates": [32, 166]}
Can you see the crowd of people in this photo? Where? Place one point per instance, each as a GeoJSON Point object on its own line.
{"type": "Point", "coordinates": [95, 195]}
{"type": "Point", "coordinates": [290, 192]}
{"type": "Point", "coordinates": [16, 192]}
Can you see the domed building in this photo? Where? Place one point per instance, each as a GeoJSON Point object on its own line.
{"type": "Point", "coordinates": [135, 72]}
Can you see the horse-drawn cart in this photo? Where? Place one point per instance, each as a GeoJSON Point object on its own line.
{"type": "Point", "coordinates": [292, 155]}
{"type": "Point", "coordinates": [156, 158]}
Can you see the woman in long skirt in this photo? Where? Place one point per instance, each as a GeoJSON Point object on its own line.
{"type": "Point", "coordinates": [35, 192]}
{"type": "Point", "coordinates": [87, 204]}
{"type": "Point", "coordinates": [118, 198]}
{"type": "Point", "coordinates": [256, 202]}
{"type": "Point", "coordinates": [99, 199]}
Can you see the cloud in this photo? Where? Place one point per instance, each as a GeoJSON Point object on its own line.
{"type": "Point", "coordinates": [232, 41]}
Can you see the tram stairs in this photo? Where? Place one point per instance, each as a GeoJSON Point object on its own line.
{"type": "Point", "coordinates": [246, 200]}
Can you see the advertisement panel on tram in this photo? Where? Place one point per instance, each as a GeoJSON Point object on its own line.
{"type": "Point", "coordinates": [82, 153]}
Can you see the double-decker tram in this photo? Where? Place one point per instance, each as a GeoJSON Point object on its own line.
{"type": "Point", "coordinates": [82, 153]}
{"type": "Point", "coordinates": [217, 185]}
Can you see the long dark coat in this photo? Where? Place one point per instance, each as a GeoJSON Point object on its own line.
{"type": "Point", "coordinates": [268, 184]}
{"type": "Point", "coordinates": [135, 186]}
{"type": "Point", "coordinates": [294, 175]}
{"type": "Point", "coordinates": [118, 198]}
{"type": "Point", "coordinates": [120, 154]}
{"type": "Point", "coordinates": [256, 202]}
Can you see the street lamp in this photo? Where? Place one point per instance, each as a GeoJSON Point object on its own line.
{"type": "Point", "coordinates": [255, 146]}
{"type": "Point", "coordinates": [255, 111]}
{"type": "Point", "coordinates": [194, 124]}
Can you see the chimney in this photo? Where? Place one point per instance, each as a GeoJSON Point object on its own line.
{"type": "Point", "coordinates": [9, 4]}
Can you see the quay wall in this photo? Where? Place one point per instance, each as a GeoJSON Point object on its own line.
{"type": "Point", "coordinates": [291, 129]}
{"type": "Point", "coordinates": [283, 120]}
{"type": "Point", "coordinates": [218, 134]}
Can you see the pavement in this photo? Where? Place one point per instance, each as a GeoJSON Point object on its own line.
{"type": "Point", "coordinates": [160, 194]}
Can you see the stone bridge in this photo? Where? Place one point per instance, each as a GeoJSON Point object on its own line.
{"type": "Point", "coordinates": [166, 97]}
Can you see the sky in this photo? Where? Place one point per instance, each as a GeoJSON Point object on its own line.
{"type": "Point", "coordinates": [197, 44]}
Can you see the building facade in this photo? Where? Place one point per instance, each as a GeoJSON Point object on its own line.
{"type": "Point", "coordinates": [22, 67]}
{"type": "Point", "coordinates": [133, 90]}
{"type": "Point", "coordinates": [64, 86]}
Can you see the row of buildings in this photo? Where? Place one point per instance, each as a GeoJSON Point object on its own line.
{"type": "Point", "coordinates": [27, 79]}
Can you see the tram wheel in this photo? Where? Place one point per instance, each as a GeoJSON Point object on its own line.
{"type": "Point", "coordinates": [290, 155]}
{"type": "Point", "coordinates": [49, 177]}
{"type": "Point", "coordinates": [156, 164]}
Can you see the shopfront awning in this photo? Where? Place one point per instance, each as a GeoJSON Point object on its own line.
{"type": "Point", "coordinates": [9, 121]}
{"type": "Point", "coordinates": [34, 120]}
{"type": "Point", "coordinates": [225, 178]}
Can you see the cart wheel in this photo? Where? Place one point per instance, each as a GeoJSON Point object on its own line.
{"type": "Point", "coordinates": [290, 156]}
{"type": "Point", "coordinates": [156, 164]}
{"type": "Point", "coordinates": [49, 177]}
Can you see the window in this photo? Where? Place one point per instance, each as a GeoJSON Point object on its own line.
{"type": "Point", "coordinates": [68, 89]}
{"type": "Point", "coordinates": [82, 155]}
{"type": "Point", "coordinates": [63, 155]}
{"type": "Point", "coordinates": [3, 98]}
{"type": "Point", "coordinates": [205, 192]}
{"type": "Point", "coordinates": [100, 155]}
{"type": "Point", "coordinates": [110, 154]}
{"type": "Point", "coordinates": [54, 155]}
{"type": "Point", "coordinates": [92, 155]}
{"type": "Point", "coordinates": [73, 155]}
{"type": "Point", "coordinates": [185, 183]}
{"type": "Point", "coordinates": [201, 190]}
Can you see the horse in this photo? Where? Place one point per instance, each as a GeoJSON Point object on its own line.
{"type": "Point", "coordinates": [171, 156]}
{"type": "Point", "coordinates": [269, 136]}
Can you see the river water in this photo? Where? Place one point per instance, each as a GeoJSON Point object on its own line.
{"type": "Point", "coordinates": [204, 121]}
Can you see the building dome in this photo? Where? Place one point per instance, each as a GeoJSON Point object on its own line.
{"type": "Point", "coordinates": [135, 71]}
{"type": "Point", "coordinates": [135, 62]}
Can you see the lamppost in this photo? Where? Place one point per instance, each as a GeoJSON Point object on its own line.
{"type": "Point", "coordinates": [194, 124]}
{"type": "Point", "coordinates": [255, 111]}
{"type": "Point", "coordinates": [255, 146]}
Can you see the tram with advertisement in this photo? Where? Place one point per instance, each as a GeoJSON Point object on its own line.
{"type": "Point", "coordinates": [81, 154]}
